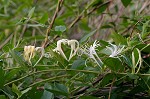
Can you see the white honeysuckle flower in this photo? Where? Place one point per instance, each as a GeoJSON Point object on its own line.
{"type": "Point", "coordinates": [74, 47]}
{"type": "Point", "coordinates": [91, 52]}
{"type": "Point", "coordinates": [115, 50]}
{"type": "Point", "coordinates": [74, 44]}
{"type": "Point", "coordinates": [58, 49]}
{"type": "Point", "coordinates": [40, 49]}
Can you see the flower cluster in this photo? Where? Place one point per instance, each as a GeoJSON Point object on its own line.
{"type": "Point", "coordinates": [74, 44]}
{"type": "Point", "coordinates": [115, 50]}
{"type": "Point", "coordinates": [29, 52]}
{"type": "Point", "coordinates": [91, 52]}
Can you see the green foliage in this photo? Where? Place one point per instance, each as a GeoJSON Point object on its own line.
{"type": "Point", "coordinates": [114, 64]}
{"type": "Point", "coordinates": [87, 36]}
{"type": "Point", "coordinates": [126, 2]}
{"type": "Point", "coordinates": [106, 56]}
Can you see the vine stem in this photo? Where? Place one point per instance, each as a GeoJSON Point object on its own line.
{"type": "Point", "coordinates": [109, 97]}
{"type": "Point", "coordinates": [45, 80]}
{"type": "Point", "coordinates": [59, 5]}
{"type": "Point", "coordinates": [43, 71]}
{"type": "Point", "coordinates": [86, 71]}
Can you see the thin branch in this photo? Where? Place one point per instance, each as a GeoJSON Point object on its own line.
{"type": "Point", "coordinates": [48, 79]}
{"type": "Point", "coordinates": [59, 5]}
{"type": "Point", "coordinates": [83, 89]}
{"type": "Point", "coordinates": [109, 97]}
{"type": "Point", "coordinates": [47, 71]}
{"type": "Point", "coordinates": [81, 15]}
{"type": "Point", "coordinates": [23, 31]}
{"type": "Point", "coordinates": [6, 41]}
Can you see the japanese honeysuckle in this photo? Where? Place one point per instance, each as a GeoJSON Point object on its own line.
{"type": "Point", "coordinates": [74, 47]}
{"type": "Point", "coordinates": [29, 53]}
{"type": "Point", "coordinates": [91, 52]}
{"type": "Point", "coordinates": [74, 44]}
{"type": "Point", "coordinates": [58, 49]}
{"type": "Point", "coordinates": [115, 50]}
{"type": "Point", "coordinates": [41, 50]}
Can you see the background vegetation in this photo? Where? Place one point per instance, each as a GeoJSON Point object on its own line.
{"type": "Point", "coordinates": [120, 68]}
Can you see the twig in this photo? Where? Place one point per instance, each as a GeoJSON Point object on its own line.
{"type": "Point", "coordinates": [47, 71]}
{"type": "Point", "coordinates": [111, 88]}
{"type": "Point", "coordinates": [146, 56]}
{"type": "Point", "coordinates": [33, 34]}
{"type": "Point", "coordinates": [131, 27]}
{"type": "Point", "coordinates": [81, 15]}
{"type": "Point", "coordinates": [46, 80]}
{"type": "Point", "coordinates": [83, 89]}
{"type": "Point", "coordinates": [6, 41]}
{"type": "Point", "coordinates": [134, 27]}
{"type": "Point", "coordinates": [59, 5]}
{"type": "Point", "coordinates": [23, 30]}
{"type": "Point", "coordinates": [146, 4]}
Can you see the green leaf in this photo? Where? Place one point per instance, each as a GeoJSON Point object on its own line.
{"type": "Point", "coordinates": [96, 3]}
{"type": "Point", "coordinates": [57, 92]}
{"type": "Point", "coordinates": [2, 77]}
{"type": "Point", "coordinates": [7, 47]}
{"type": "Point", "coordinates": [128, 61]}
{"type": "Point", "coordinates": [44, 18]}
{"type": "Point", "coordinates": [59, 58]}
{"type": "Point", "coordinates": [135, 56]}
{"type": "Point", "coordinates": [102, 8]}
{"type": "Point", "coordinates": [132, 76]}
{"type": "Point", "coordinates": [12, 73]}
{"type": "Point", "coordinates": [143, 47]}
{"type": "Point", "coordinates": [119, 39]}
{"type": "Point", "coordinates": [78, 64]}
{"type": "Point", "coordinates": [47, 94]}
{"type": "Point", "coordinates": [145, 31]}
{"type": "Point", "coordinates": [16, 90]}
{"type": "Point", "coordinates": [60, 28]}
{"type": "Point", "coordinates": [2, 97]}
{"type": "Point", "coordinates": [30, 14]}
{"type": "Point", "coordinates": [126, 2]}
{"type": "Point", "coordinates": [7, 94]}
{"type": "Point", "coordinates": [59, 89]}
{"type": "Point", "coordinates": [25, 91]}
{"type": "Point", "coordinates": [144, 83]}
{"type": "Point", "coordinates": [17, 58]}
{"type": "Point", "coordinates": [106, 79]}
{"type": "Point", "coordinates": [114, 64]}
{"type": "Point", "coordinates": [87, 36]}
{"type": "Point", "coordinates": [103, 43]}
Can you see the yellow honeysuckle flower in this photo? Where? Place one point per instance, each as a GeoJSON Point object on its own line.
{"type": "Point", "coordinates": [29, 53]}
